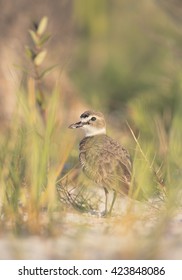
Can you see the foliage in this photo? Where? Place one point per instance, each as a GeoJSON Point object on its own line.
{"type": "Point", "coordinates": [128, 66]}
{"type": "Point", "coordinates": [31, 154]}
{"type": "Point", "coordinates": [129, 55]}
{"type": "Point", "coordinates": [37, 54]}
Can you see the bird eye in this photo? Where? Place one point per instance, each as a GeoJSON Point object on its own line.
{"type": "Point", "coordinates": [93, 119]}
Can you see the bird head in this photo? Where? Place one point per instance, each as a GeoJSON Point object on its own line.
{"type": "Point", "coordinates": [93, 123]}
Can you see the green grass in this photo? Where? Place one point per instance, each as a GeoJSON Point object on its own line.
{"type": "Point", "coordinates": [37, 150]}
{"type": "Point", "coordinates": [33, 157]}
{"type": "Point", "coordinates": [34, 153]}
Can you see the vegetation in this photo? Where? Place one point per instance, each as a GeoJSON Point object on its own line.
{"type": "Point", "coordinates": [34, 149]}
{"type": "Point", "coordinates": [131, 67]}
{"type": "Point", "coordinates": [127, 65]}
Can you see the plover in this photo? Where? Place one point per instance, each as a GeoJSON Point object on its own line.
{"type": "Point", "coordinates": [102, 158]}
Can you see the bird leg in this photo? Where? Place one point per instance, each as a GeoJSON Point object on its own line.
{"type": "Point", "coordinates": [106, 201]}
{"type": "Point", "coordinates": [105, 213]}
{"type": "Point", "coordinates": [113, 201]}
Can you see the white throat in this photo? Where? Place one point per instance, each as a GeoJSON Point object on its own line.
{"type": "Point", "coordinates": [92, 131]}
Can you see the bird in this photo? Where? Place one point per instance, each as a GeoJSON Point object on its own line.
{"type": "Point", "coordinates": [103, 160]}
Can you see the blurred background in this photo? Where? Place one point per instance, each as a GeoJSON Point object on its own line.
{"type": "Point", "coordinates": [119, 57]}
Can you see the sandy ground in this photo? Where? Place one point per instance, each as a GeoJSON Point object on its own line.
{"type": "Point", "coordinates": [145, 235]}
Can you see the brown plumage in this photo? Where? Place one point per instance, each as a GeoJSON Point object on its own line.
{"type": "Point", "coordinates": [106, 162]}
{"type": "Point", "coordinates": [102, 158]}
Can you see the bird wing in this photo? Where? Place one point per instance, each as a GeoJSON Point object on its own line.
{"type": "Point", "coordinates": [107, 163]}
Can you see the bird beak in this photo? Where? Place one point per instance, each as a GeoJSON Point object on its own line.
{"type": "Point", "coordinates": [76, 125]}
